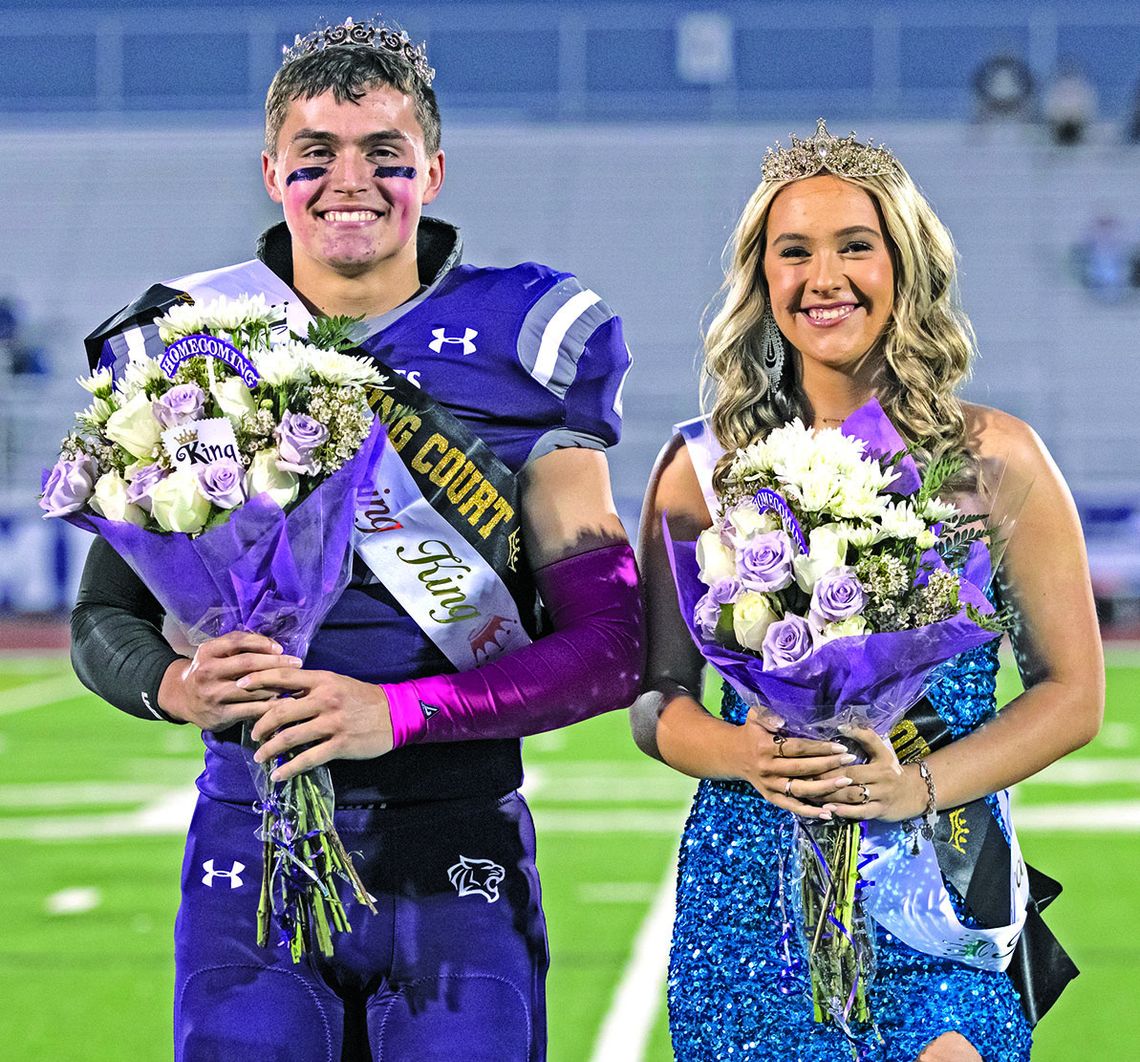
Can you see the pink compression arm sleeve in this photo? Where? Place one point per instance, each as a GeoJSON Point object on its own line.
{"type": "Point", "coordinates": [591, 662]}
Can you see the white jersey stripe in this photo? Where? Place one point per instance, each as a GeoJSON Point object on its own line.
{"type": "Point", "coordinates": [556, 330]}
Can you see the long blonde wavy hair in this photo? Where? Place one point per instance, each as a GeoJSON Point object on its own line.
{"type": "Point", "coordinates": [926, 346]}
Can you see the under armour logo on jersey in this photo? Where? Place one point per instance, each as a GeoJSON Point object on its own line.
{"type": "Point", "coordinates": [234, 874]}
{"type": "Point", "coordinates": [477, 877]}
{"type": "Point", "coordinates": [442, 337]}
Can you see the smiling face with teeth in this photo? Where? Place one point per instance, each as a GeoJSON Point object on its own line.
{"type": "Point", "coordinates": [352, 179]}
{"type": "Point", "coordinates": [830, 275]}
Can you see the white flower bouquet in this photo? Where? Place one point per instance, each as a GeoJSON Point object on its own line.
{"type": "Point", "coordinates": [833, 581]}
{"type": "Point", "coordinates": [225, 473]}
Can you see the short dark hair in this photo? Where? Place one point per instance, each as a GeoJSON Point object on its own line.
{"type": "Point", "coordinates": [348, 71]}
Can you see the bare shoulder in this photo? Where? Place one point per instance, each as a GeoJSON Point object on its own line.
{"type": "Point", "coordinates": [675, 490]}
{"type": "Point", "coordinates": [995, 436]}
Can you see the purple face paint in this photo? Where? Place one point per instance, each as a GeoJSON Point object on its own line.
{"type": "Point", "coordinates": [395, 171]}
{"type": "Point", "coordinates": [306, 173]}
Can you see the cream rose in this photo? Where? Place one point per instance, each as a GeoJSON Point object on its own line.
{"type": "Point", "coordinates": [264, 477]}
{"type": "Point", "coordinates": [110, 500]}
{"type": "Point", "coordinates": [134, 428]}
{"type": "Point", "coordinates": [234, 397]}
{"type": "Point", "coordinates": [716, 560]}
{"type": "Point", "coordinates": [827, 549]}
{"type": "Point", "coordinates": [848, 628]}
{"type": "Point", "coordinates": [177, 502]}
{"type": "Point", "coordinates": [745, 521]}
{"type": "Point", "coordinates": [752, 615]}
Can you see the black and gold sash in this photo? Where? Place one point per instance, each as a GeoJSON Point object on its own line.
{"type": "Point", "coordinates": [975, 858]}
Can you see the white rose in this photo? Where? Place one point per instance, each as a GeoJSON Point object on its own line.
{"type": "Point", "coordinates": [342, 369]}
{"type": "Point", "coordinates": [234, 397]}
{"type": "Point", "coordinates": [850, 627]}
{"type": "Point", "coordinates": [110, 500]}
{"type": "Point", "coordinates": [827, 549]}
{"type": "Point", "coordinates": [752, 615]}
{"type": "Point", "coordinates": [134, 428]}
{"type": "Point", "coordinates": [177, 503]}
{"type": "Point", "coordinates": [264, 477]}
{"type": "Point", "coordinates": [745, 521]}
{"type": "Point", "coordinates": [716, 560]}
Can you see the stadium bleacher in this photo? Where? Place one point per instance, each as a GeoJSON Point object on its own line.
{"type": "Point", "coordinates": [133, 117]}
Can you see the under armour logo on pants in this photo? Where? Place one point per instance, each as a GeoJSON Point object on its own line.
{"type": "Point", "coordinates": [234, 874]}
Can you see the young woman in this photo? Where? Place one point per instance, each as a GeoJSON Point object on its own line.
{"type": "Point", "coordinates": [841, 288]}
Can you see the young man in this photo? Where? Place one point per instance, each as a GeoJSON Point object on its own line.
{"type": "Point", "coordinates": [513, 378]}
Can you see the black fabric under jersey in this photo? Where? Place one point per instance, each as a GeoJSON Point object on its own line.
{"type": "Point", "coordinates": [117, 647]}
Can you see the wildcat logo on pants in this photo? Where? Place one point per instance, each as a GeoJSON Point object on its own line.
{"type": "Point", "coordinates": [477, 877]}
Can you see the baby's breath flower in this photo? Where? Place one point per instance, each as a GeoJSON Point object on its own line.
{"type": "Point", "coordinates": [938, 599]}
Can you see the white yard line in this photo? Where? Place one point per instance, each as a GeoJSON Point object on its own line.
{"type": "Point", "coordinates": [640, 994]}
{"type": "Point", "coordinates": [77, 794]}
{"type": "Point", "coordinates": [617, 820]}
{"type": "Point", "coordinates": [40, 694]}
{"type": "Point", "coordinates": [168, 815]}
{"type": "Point", "coordinates": [1121, 816]}
{"type": "Point", "coordinates": [1109, 770]}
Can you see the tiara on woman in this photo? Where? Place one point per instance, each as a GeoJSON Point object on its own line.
{"type": "Point", "coordinates": [369, 34]}
{"type": "Point", "coordinates": [824, 152]}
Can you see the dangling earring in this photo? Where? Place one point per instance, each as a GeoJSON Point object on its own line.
{"type": "Point", "coordinates": [772, 345]}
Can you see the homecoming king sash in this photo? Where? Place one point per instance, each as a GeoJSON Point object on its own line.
{"type": "Point", "coordinates": [440, 524]}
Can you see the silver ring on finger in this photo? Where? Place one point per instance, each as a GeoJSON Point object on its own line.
{"type": "Point", "coordinates": [866, 794]}
{"type": "Point", "coordinates": [788, 787]}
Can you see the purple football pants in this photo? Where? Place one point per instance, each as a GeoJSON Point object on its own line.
{"type": "Point", "coordinates": [453, 965]}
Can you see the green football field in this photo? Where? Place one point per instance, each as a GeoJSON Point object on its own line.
{"type": "Point", "coordinates": [93, 806]}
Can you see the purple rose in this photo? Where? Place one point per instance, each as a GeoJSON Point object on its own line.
{"type": "Point", "coordinates": [179, 405]}
{"type": "Point", "coordinates": [223, 483]}
{"type": "Point", "coordinates": [788, 641]}
{"type": "Point", "coordinates": [765, 562]}
{"type": "Point", "coordinates": [837, 596]}
{"type": "Point", "coordinates": [298, 436]}
{"type": "Point", "coordinates": [68, 485]}
{"type": "Point", "coordinates": [707, 613]}
{"type": "Point", "coordinates": [139, 488]}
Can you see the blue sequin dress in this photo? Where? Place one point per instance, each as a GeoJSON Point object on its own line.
{"type": "Point", "coordinates": [731, 995]}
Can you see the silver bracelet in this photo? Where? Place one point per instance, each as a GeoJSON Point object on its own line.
{"type": "Point", "coordinates": [929, 816]}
